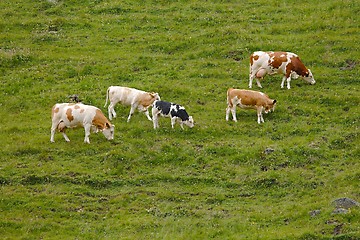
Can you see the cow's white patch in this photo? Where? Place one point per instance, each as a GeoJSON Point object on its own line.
{"type": "Point", "coordinates": [173, 108]}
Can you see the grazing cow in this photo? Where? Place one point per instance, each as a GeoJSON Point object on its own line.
{"type": "Point", "coordinates": [130, 97]}
{"type": "Point", "coordinates": [248, 99]}
{"type": "Point", "coordinates": [70, 115]}
{"type": "Point", "coordinates": [172, 110]}
{"type": "Point", "coordinates": [286, 63]}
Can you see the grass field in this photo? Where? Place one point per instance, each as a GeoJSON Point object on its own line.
{"type": "Point", "coordinates": [214, 181]}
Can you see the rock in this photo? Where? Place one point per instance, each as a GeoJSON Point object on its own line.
{"type": "Point", "coordinates": [345, 203]}
{"type": "Point", "coordinates": [314, 212]}
{"type": "Point", "coordinates": [268, 150]}
{"type": "Point", "coordinates": [350, 64]}
{"type": "Point", "coordinates": [75, 98]}
{"type": "Point", "coordinates": [340, 211]}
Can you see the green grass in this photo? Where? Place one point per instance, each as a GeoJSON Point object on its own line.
{"type": "Point", "coordinates": [212, 181]}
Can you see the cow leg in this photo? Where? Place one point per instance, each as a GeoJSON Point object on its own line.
{"type": "Point", "coordinates": [259, 114]}
{"type": "Point", "coordinates": [258, 82]}
{"type": "Point", "coordinates": [173, 121]}
{"type": "Point", "coordinates": [145, 110]}
{"type": "Point", "coordinates": [155, 119]}
{"type": "Point", "coordinates": [251, 78]}
{"type": "Point", "coordinates": [233, 112]}
{"type": "Point", "coordinates": [87, 128]}
{"type": "Point", "coordinates": [61, 126]}
{"type": "Point", "coordinates": [283, 82]}
{"type": "Point", "coordinates": [250, 81]}
{"type": "Point", "coordinates": [65, 136]}
{"type": "Point", "coordinates": [132, 110]}
{"type": "Point", "coordinates": [227, 113]}
{"type": "Point", "coordinates": [148, 115]}
{"type": "Point", "coordinates": [111, 111]}
{"type": "Point", "coordinates": [53, 129]}
{"type": "Point", "coordinates": [288, 82]}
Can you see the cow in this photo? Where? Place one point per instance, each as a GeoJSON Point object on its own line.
{"type": "Point", "coordinates": [172, 110]}
{"type": "Point", "coordinates": [130, 97]}
{"type": "Point", "coordinates": [248, 99]}
{"type": "Point", "coordinates": [286, 63]}
{"type": "Point", "coordinates": [71, 115]}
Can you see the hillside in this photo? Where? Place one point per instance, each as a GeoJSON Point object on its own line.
{"type": "Point", "coordinates": [218, 180]}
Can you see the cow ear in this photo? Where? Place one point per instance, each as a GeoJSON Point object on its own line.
{"type": "Point", "coordinates": [107, 125]}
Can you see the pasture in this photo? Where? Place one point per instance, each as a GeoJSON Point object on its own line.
{"type": "Point", "coordinates": [218, 180]}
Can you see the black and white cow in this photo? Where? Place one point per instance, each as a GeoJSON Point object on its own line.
{"type": "Point", "coordinates": [172, 110]}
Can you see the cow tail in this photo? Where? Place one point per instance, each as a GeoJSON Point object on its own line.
{"type": "Point", "coordinates": [107, 96]}
{"type": "Point", "coordinates": [228, 97]}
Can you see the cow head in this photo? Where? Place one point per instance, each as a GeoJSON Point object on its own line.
{"type": "Point", "coordinates": [61, 126]}
{"type": "Point", "coordinates": [308, 77]}
{"type": "Point", "coordinates": [108, 131]}
{"type": "Point", "coordinates": [155, 96]}
{"type": "Point", "coordinates": [270, 107]}
{"type": "Point", "coordinates": [189, 122]}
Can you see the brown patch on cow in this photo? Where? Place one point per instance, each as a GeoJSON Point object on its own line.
{"type": "Point", "coordinates": [277, 58]}
{"type": "Point", "coordinates": [289, 68]}
{"type": "Point", "coordinates": [82, 110]}
{"type": "Point", "coordinates": [146, 99]}
{"type": "Point", "coordinates": [69, 115]}
{"type": "Point", "coordinates": [100, 121]}
{"type": "Point", "coordinates": [298, 67]}
{"type": "Point", "coordinates": [253, 58]}
{"type": "Point", "coordinates": [54, 110]}
{"type": "Point", "coordinates": [76, 106]}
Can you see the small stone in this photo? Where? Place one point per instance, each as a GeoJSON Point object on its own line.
{"type": "Point", "coordinates": [268, 150]}
{"type": "Point", "coordinates": [345, 203]}
{"type": "Point", "coordinates": [340, 211]}
{"type": "Point", "coordinates": [314, 213]}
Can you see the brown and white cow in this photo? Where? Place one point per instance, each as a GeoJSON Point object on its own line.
{"type": "Point", "coordinates": [70, 115]}
{"type": "Point", "coordinates": [248, 99]}
{"type": "Point", "coordinates": [286, 63]}
{"type": "Point", "coordinates": [130, 97]}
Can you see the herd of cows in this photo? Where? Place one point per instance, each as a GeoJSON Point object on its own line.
{"type": "Point", "coordinates": [71, 115]}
